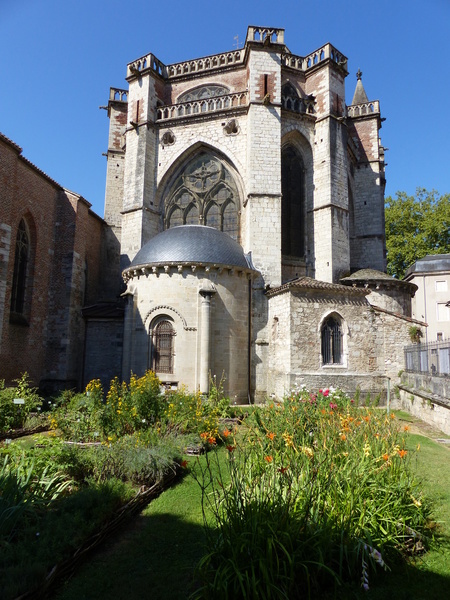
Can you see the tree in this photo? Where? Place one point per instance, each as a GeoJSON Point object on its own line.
{"type": "Point", "coordinates": [416, 226]}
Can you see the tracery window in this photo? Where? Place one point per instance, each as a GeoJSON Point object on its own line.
{"type": "Point", "coordinates": [332, 353]}
{"type": "Point", "coordinates": [204, 193]}
{"type": "Point", "coordinates": [292, 204]}
{"type": "Point", "coordinates": [21, 263]}
{"type": "Point", "coordinates": [204, 91]}
{"type": "Point", "coordinates": [163, 347]}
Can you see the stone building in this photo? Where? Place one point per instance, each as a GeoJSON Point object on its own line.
{"type": "Point", "coordinates": [431, 304]}
{"type": "Point", "coordinates": [254, 147]}
{"type": "Point", "coordinates": [243, 235]}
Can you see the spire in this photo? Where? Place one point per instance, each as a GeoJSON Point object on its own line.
{"type": "Point", "coordinates": [360, 96]}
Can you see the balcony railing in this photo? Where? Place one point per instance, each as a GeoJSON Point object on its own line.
{"type": "Point", "coordinates": [201, 106]}
{"type": "Point", "coordinates": [432, 358]}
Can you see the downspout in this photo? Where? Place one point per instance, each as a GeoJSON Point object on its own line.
{"type": "Point", "coordinates": [249, 342]}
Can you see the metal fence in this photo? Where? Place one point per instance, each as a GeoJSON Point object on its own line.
{"type": "Point", "coordinates": [432, 358]}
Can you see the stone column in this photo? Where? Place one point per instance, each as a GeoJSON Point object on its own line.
{"type": "Point", "coordinates": [205, 337]}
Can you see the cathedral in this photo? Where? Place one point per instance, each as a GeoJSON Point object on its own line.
{"type": "Point", "coordinates": [243, 236]}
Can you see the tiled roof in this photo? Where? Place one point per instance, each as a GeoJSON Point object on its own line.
{"type": "Point", "coordinates": [193, 244]}
{"type": "Point", "coordinates": [308, 283]}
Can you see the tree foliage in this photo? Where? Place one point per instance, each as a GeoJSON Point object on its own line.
{"type": "Point", "coordinates": [416, 226]}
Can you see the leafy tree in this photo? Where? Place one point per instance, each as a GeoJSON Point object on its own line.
{"type": "Point", "coordinates": [416, 226]}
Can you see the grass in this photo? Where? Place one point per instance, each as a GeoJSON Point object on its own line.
{"type": "Point", "coordinates": [157, 555]}
{"type": "Point", "coordinates": [153, 556]}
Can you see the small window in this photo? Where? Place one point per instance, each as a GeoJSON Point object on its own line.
{"type": "Point", "coordinates": [21, 265]}
{"type": "Point", "coordinates": [439, 337]}
{"type": "Point", "coordinates": [163, 346]}
{"type": "Point", "coordinates": [441, 286]}
{"type": "Point", "coordinates": [332, 342]}
{"type": "Point", "coordinates": [443, 312]}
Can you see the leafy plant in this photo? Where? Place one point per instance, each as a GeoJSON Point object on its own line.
{"type": "Point", "coordinates": [317, 492]}
{"type": "Point", "coordinates": [13, 416]}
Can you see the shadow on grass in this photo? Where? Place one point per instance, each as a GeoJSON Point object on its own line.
{"type": "Point", "coordinates": [152, 556]}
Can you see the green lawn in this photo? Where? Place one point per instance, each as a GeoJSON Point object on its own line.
{"type": "Point", "coordinates": [155, 555]}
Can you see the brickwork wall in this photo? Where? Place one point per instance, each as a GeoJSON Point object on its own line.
{"type": "Point", "coordinates": [65, 236]}
{"type": "Point", "coordinates": [368, 245]}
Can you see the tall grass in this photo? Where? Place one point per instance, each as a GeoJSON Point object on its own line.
{"type": "Point", "coordinates": [317, 492]}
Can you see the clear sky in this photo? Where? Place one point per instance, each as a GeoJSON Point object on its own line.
{"type": "Point", "coordinates": [58, 59]}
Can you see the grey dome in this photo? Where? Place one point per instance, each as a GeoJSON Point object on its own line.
{"type": "Point", "coordinates": [191, 244]}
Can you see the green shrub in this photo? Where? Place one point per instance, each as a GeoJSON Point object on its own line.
{"type": "Point", "coordinates": [13, 416]}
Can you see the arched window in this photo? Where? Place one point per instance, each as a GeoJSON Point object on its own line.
{"type": "Point", "coordinates": [204, 193]}
{"type": "Point", "coordinates": [21, 266]}
{"type": "Point", "coordinates": [332, 347]}
{"type": "Point", "coordinates": [163, 347]}
{"type": "Point", "coordinates": [292, 204]}
{"type": "Point", "coordinates": [204, 91]}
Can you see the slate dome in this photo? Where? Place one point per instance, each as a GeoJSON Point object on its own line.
{"type": "Point", "coordinates": [192, 244]}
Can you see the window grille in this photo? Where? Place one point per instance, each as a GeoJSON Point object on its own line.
{"type": "Point", "coordinates": [331, 342]}
{"type": "Point", "coordinates": [163, 336]}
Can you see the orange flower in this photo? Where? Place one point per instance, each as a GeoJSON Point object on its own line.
{"type": "Point", "coordinates": [385, 456]}
{"type": "Point", "coordinates": [269, 458]}
{"type": "Point", "coordinates": [226, 433]}
{"type": "Point", "coordinates": [406, 428]}
{"type": "Point", "coordinates": [204, 435]}
{"type": "Point", "coordinates": [392, 416]}
{"type": "Point", "coordinates": [282, 470]}
{"type": "Point", "coordinates": [231, 448]}
{"type": "Point", "coordinates": [343, 437]}
{"type": "Point", "coordinates": [184, 464]}
{"type": "Point", "coordinates": [271, 436]}
{"type": "Point", "coordinates": [367, 419]}
{"type": "Point", "coordinates": [211, 440]}
{"type": "Point", "coordinates": [402, 453]}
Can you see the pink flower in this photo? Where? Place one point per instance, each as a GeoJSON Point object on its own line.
{"type": "Point", "coordinates": [333, 405]}
{"type": "Point", "coordinates": [326, 392]}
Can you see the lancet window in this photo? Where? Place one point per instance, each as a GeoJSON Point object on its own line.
{"type": "Point", "coordinates": [332, 353]}
{"type": "Point", "coordinates": [21, 264]}
{"type": "Point", "coordinates": [293, 203]}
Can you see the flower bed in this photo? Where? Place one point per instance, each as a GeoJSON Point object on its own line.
{"type": "Point", "coordinates": [317, 493]}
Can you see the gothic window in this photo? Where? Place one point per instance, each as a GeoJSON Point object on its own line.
{"type": "Point", "coordinates": [332, 353]}
{"type": "Point", "coordinates": [163, 347]}
{"type": "Point", "coordinates": [204, 193]}
{"type": "Point", "coordinates": [292, 204]}
{"type": "Point", "coordinates": [21, 267]}
{"type": "Point", "coordinates": [204, 91]}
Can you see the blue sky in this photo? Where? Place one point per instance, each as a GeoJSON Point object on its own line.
{"type": "Point", "coordinates": [58, 59]}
